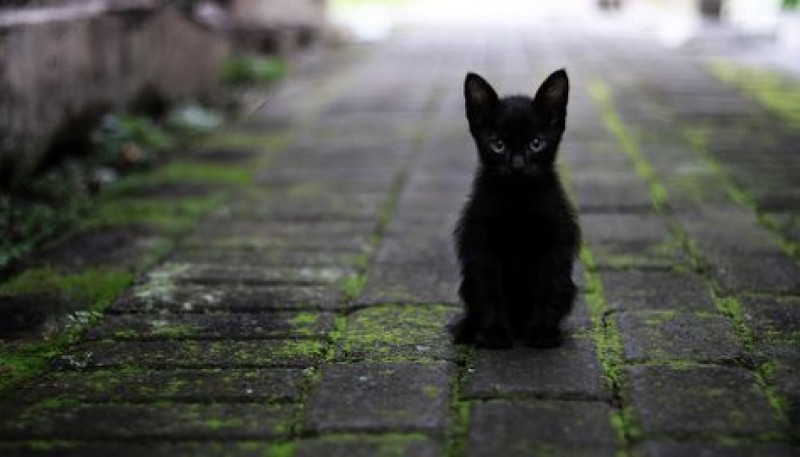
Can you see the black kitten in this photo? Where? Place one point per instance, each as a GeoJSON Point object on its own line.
{"type": "Point", "coordinates": [517, 236]}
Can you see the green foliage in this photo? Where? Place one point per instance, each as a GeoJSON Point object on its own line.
{"type": "Point", "coordinates": [129, 138]}
{"type": "Point", "coordinates": [94, 287]}
{"type": "Point", "coordinates": [47, 204]}
{"type": "Point", "coordinates": [352, 285]}
{"type": "Point", "coordinates": [173, 216]}
{"type": "Point", "coordinates": [252, 70]}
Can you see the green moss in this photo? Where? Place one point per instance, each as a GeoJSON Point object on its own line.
{"type": "Point", "coordinates": [304, 319]}
{"type": "Point", "coordinates": [383, 445]}
{"type": "Point", "coordinates": [607, 342]}
{"type": "Point", "coordinates": [292, 349]}
{"type": "Point", "coordinates": [15, 366]}
{"type": "Point", "coordinates": [94, 287]}
{"type": "Point", "coordinates": [458, 428]}
{"type": "Point", "coordinates": [732, 309]}
{"type": "Point", "coordinates": [780, 94]}
{"type": "Point", "coordinates": [602, 97]}
{"type": "Point", "coordinates": [280, 450]}
{"type": "Point", "coordinates": [397, 333]}
{"type": "Point", "coordinates": [182, 171]}
{"type": "Point", "coordinates": [240, 70]}
{"type": "Point", "coordinates": [174, 216]}
{"type": "Point", "coordinates": [352, 285]}
{"type": "Point", "coordinates": [220, 424]}
{"type": "Point", "coordinates": [173, 330]}
{"type": "Point", "coordinates": [698, 138]}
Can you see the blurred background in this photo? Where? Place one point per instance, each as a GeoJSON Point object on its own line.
{"type": "Point", "coordinates": [91, 90]}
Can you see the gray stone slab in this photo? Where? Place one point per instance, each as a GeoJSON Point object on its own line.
{"type": "Point", "coordinates": [571, 371]}
{"type": "Point", "coordinates": [698, 401]}
{"type": "Point", "coordinates": [635, 290]}
{"type": "Point", "coordinates": [212, 326]}
{"type": "Point", "coordinates": [728, 229]}
{"type": "Point", "coordinates": [380, 397]}
{"type": "Point", "coordinates": [787, 223]}
{"type": "Point", "coordinates": [193, 354]}
{"type": "Point", "coordinates": [784, 376]}
{"type": "Point", "coordinates": [257, 255]}
{"type": "Point", "coordinates": [368, 446]}
{"type": "Point", "coordinates": [578, 321]}
{"type": "Point", "coordinates": [631, 241]}
{"type": "Point", "coordinates": [388, 283]}
{"type": "Point", "coordinates": [543, 427]}
{"type": "Point", "coordinates": [673, 449]}
{"type": "Point", "coordinates": [175, 421]}
{"type": "Point", "coordinates": [224, 274]}
{"type": "Point", "coordinates": [121, 247]}
{"type": "Point", "coordinates": [122, 448]}
{"type": "Point", "coordinates": [772, 317]}
{"type": "Point", "coordinates": [264, 236]}
{"type": "Point", "coordinates": [666, 335]}
{"type": "Point", "coordinates": [200, 385]}
{"type": "Point", "coordinates": [166, 296]}
{"type": "Point", "coordinates": [398, 333]}
{"type": "Point", "coordinates": [418, 241]}
{"type": "Point", "coordinates": [765, 273]}
{"type": "Point", "coordinates": [214, 229]}
{"type": "Point", "coordinates": [602, 192]}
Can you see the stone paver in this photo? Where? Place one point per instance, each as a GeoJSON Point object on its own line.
{"type": "Point", "coordinates": [570, 371]}
{"type": "Point", "coordinates": [380, 397]}
{"type": "Point", "coordinates": [195, 421]}
{"type": "Point", "coordinates": [501, 427]}
{"type": "Point", "coordinates": [660, 336]}
{"type": "Point", "coordinates": [698, 401]}
{"type": "Point", "coordinates": [645, 290]}
{"type": "Point", "coordinates": [307, 314]}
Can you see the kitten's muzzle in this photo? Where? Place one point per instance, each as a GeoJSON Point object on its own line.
{"type": "Point", "coordinates": [517, 162]}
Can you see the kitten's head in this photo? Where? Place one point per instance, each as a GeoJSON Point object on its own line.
{"type": "Point", "coordinates": [517, 135]}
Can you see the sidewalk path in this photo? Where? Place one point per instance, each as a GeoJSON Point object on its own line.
{"type": "Point", "coordinates": [307, 316]}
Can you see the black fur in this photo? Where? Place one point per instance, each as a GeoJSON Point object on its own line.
{"type": "Point", "coordinates": [517, 237]}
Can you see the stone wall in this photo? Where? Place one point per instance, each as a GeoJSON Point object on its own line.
{"type": "Point", "coordinates": [277, 26]}
{"type": "Point", "coordinates": [60, 63]}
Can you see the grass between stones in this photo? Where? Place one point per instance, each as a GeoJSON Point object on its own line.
{"type": "Point", "coordinates": [90, 290]}
{"type": "Point", "coordinates": [93, 288]}
{"type": "Point", "coordinates": [727, 306]}
{"type": "Point", "coordinates": [604, 333]}
{"type": "Point", "coordinates": [779, 93]}
{"type": "Point", "coordinates": [602, 97]}
{"type": "Point", "coordinates": [608, 344]}
{"type": "Point", "coordinates": [697, 139]}
{"type": "Point", "coordinates": [458, 416]}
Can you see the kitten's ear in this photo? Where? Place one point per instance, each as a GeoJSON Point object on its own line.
{"type": "Point", "coordinates": [553, 94]}
{"type": "Point", "coordinates": [479, 95]}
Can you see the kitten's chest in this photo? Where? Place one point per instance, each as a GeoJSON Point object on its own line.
{"type": "Point", "coordinates": [520, 230]}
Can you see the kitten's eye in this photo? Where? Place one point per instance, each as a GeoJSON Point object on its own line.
{"type": "Point", "coordinates": [497, 146]}
{"type": "Point", "coordinates": [536, 144]}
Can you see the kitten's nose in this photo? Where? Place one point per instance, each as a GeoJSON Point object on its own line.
{"type": "Point", "coordinates": [517, 162]}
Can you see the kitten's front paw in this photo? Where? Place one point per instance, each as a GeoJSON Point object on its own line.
{"type": "Point", "coordinates": [544, 337]}
{"type": "Point", "coordinates": [494, 338]}
{"type": "Point", "coordinates": [462, 330]}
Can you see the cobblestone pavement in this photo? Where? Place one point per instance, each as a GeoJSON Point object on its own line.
{"type": "Point", "coordinates": [306, 316]}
